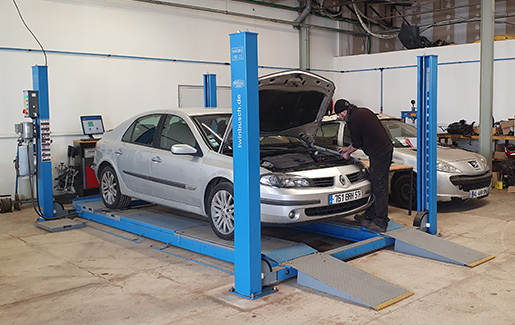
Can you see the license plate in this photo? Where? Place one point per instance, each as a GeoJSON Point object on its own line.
{"type": "Point", "coordinates": [345, 197]}
{"type": "Point", "coordinates": [479, 193]}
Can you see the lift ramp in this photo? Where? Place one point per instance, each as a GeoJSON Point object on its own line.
{"type": "Point", "coordinates": [326, 273]}
{"type": "Point", "coordinates": [415, 242]}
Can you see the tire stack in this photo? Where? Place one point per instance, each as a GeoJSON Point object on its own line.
{"type": "Point", "coordinates": [6, 205]}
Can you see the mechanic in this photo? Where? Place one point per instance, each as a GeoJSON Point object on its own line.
{"type": "Point", "coordinates": [368, 134]}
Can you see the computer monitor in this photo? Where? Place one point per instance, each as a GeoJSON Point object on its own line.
{"type": "Point", "coordinates": [92, 124]}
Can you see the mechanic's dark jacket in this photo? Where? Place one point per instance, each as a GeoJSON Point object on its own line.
{"type": "Point", "coordinates": [368, 133]}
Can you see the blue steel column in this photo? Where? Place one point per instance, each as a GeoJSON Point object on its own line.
{"type": "Point", "coordinates": [45, 187]}
{"type": "Point", "coordinates": [245, 125]}
{"type": "Point", "coordinates": [426, 139]}
{"type": "Point", "coordinates": [210, 90]}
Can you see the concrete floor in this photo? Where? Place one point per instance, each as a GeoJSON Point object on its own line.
{"type": "Point", "coordinates": [88, 276]}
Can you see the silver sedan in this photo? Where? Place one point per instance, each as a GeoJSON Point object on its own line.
{"type": "Point", "coordinates": [183, 159]}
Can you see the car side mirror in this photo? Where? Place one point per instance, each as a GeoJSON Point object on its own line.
{"type": "Point", "coordinates": [183, 149]}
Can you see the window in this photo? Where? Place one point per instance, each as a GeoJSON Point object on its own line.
{"type": "Point", "coordinates": [399, 132]}
{"type": "Point", "coordinates": [142, 131]}
{"type": "Point", "coordinates": [213, 128]}
{"type": "Point", "coordinates": [176, 131]}
{"type": "Point", "coordinates": [327, 135]}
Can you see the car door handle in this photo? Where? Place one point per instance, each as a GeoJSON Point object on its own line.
{"type": "Point", "coordinates": [156, 159]}
{"type": "Point", "coordinates": [118, 152]}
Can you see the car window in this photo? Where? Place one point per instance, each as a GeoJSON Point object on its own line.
{"type": "Point", "coordinates": [213, 128]}
{"type": "Point", "coordinates": [143, 130]}
{"type": "Point", "coordinates": [327, 135]}
{"type": "Point", "coordinates": [176, 131]}
{"type": "Point", "coordinates": [399, 132]}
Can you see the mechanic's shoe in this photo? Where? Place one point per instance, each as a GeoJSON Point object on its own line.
{"type": "Point", "coordinates": [361, 217]}
{"type": "Point", "coordinates": [372, 226]}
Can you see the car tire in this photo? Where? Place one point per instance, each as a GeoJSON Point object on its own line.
{"type": "Point", "coordinates": [220, 209]}
{"type": "Point", "coordinates": [401, 191]}
{"type": "Point", "coordinates": [110, 190]}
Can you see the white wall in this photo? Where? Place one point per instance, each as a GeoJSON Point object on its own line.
{"type": "Point", "coordinates": [458, 84]}
{"type": "Point", "coordinates": [119, 88]}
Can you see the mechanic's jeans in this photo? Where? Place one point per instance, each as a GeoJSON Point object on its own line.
{"type": "Point", "coordinates": [379, 169]}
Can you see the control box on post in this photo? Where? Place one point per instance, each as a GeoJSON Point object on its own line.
{"type": "Point", "coordinates": [31, 107]}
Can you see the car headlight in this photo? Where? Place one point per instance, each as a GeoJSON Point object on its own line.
{"type": "Point", "coordinates": [363, 172]}
{"type": "Point", "coordinates": [484, 163]}
{"type": "Point", "coordinates": [285, 181]}
{"type": "Point", "coordinates": [446, 168]}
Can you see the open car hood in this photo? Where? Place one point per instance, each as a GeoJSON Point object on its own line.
{"type": "Point", "coordinates": [293, 103]}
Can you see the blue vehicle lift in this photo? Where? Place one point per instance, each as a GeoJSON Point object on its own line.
{"type": "Point", "coordinates": [281, 259]}
{"type": "Point", "coordinates": [210, 90]}
{"type": "Point", "coordinates": [261, 261]}
{"type": "Point", "coordinates": [51, 214]}
{"type": "Point", "coordinates": [427, 83]}
{"type": "Point", "coordinates": [44, 163]}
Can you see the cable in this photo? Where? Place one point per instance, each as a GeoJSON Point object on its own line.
{"type": "Point", "coordinates": [23, 20]}
{"type": "Point", "coordinates": [359, 15]}
{"type": "Point", "coordinates": [38, 208]}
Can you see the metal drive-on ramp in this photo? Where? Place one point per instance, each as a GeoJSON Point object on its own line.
{"type": "Point", "coordinates": [415, 242]}
{"type": "Point", "coordinates": [328, 274]}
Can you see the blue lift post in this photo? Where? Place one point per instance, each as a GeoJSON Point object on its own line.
{"type": "Point", "coordinates": [44, 163]}
{"type": "Point", "coordinates": [426, 139]}
{"type": "Point", "coordinates": [245, 125]}
{"type": "Point", "coordinates": [210, 90]}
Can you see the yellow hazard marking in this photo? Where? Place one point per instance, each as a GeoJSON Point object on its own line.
{"type": "Point", "coordinates": [394, 300]}
{"type": "Point", "coordinates": [481, 261]}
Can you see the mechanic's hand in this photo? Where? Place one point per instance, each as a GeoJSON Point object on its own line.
{"type": "Point", "coordinates": [346, 156]}
{"type": "Point", "coordinates": [342, 149]}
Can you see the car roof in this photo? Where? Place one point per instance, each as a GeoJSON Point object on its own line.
{"type": "Point", "coordinates": [192, 111]}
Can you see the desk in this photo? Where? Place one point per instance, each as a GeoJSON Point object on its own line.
{"type": "Point", "coordinates": [398, 168]}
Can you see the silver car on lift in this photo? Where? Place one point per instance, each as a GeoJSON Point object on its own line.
{"type": "Point", "coordinates": [183, 159]}
{"type": "Point", "coordinates": [460, 174]}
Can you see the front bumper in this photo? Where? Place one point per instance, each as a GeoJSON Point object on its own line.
{"type": "Point", "coordinates": [288, 211]}
{"type": "Point", "coordinates": [459, 186]}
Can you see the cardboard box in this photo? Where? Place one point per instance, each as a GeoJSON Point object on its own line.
{"type": "Point", "coordinates": [500, 155]}
{"type": "Point", "coordinates": [511, 189]}
{"type": "Point", "coordinates": [499, 147]}
{"type": "Point", "coordinates": [507, 124]}
{"type": "Point", "coordinates": [496, 176]}
{"type": "Point", "coordinates": [507, 127]}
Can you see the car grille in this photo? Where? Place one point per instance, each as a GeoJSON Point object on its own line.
{"type": "Point", "coordinates": [468, 183]}
{"type": "Point", "coordinates": [354, 177]}
{"type": "Point", "coordinates": [323, 181]}
{"type": "Point", "coordinates": [335, 208]}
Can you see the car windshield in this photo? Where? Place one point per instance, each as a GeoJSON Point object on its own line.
{"type": "Point", "coordinates": [212, 128]}
{"type": "Point", "coordinates": [400, 132]}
